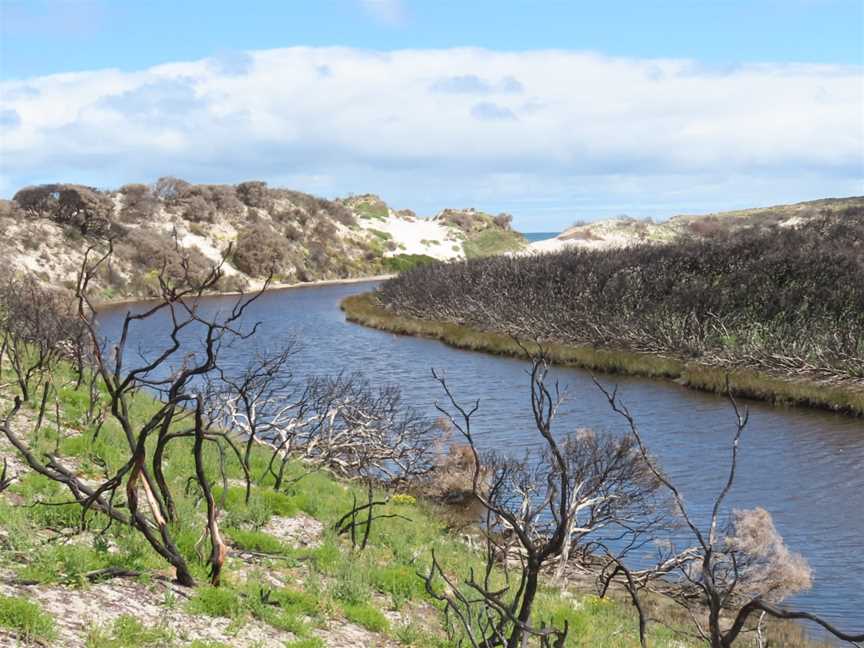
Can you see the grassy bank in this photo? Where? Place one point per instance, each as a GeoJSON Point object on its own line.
{"type": "Point", "coordinates": [289, 579]}
{"type": "Point", "coordinates": [365, 309]}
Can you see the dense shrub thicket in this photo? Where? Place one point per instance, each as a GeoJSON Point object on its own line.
{"type": "Point", "coordinates": [788, 299]}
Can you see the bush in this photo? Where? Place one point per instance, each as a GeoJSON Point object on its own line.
{"type": "Point", "coordinates": [10, 209]}
{"type": "Point", "coordinates": [404, 262]}
{"type": "Point", "coordinates": [503, 221]}
{"type": "Point", "coordinates": [707, 227]}
{"type": "Point", "coordinates": [784, 299]}
{"type": "Point", "coordinates": [149, 250]}
{"type": "Point", "coordinates": [255, 194]}
{"type": "Point", "coordinates": [260, 251]}
{"type": "Point", "coordinates": [196, 209]}
{"type": "Point", "coordinates": [139, 203]}
{"type": "Point", "coordinates": [83, 207]}
{"type": "Point", "coordinates": [169, 188]}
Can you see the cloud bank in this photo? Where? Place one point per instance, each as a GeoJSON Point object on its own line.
{"type": "Point", "coordinates": [547, 130]}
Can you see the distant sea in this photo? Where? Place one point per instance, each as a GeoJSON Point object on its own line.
{"type": "Point", "coordinates": [533, 237]}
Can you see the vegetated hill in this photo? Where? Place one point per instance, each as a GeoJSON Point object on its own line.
{"type": "Point", "coordinates": [624, 231]}
{"type": "Point", "coordinates": [299, 237]}
{"type": "Point", "coordinates": [786, 299]}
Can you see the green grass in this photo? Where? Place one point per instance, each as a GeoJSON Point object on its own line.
{"type": "Point", "coordinates": [377, 210]}
{"type": "Point", "coordinates": [404, 262]}
{"type": "Point", "coordinates": [493, 241]}
{"type": "Point", "coordinates": [26, 619]}
{"type": "Point", "coordinates": [399, 581]}
{"type": "Point", "coordinates": [255, 541]}
{"type": "Point", "coordinates": [262, 505]}
{"type": "Point", "coordinates": [311, 642]}
{"type": "Point", "coordinates": [364, 309]}
{"type": "Point", "coordinates": [128, 632]}
{"type": "Point", "coordinates": [216, 602]}
{"type": "Point", "coordinates": [366, 615]}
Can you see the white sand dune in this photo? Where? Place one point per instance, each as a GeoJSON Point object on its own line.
{"type": "Point", "coordinates": [418, 236]}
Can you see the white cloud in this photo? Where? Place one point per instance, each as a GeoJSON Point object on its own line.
{"type": "Point", "coordinates": [417, 117]}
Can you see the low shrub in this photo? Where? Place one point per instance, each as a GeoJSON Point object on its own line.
{"type": "Point", "coordinates": [405, 262]}
{"type": "Point", "coordinates": [216, 601]}
{"type": "Point", "coordinates": [260, 251]}
{"type": "Point", "coordinates": [26, 619]}
{"type": "Point", "coordinates": [367, 616]}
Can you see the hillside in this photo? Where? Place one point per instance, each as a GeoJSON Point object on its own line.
{"type": "Point", "coordinates": [299, 237]}
{"type": "Point", "coordinates": [625, 231]}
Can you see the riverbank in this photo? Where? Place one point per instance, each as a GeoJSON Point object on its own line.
{"type": "Point", "coordinates": [364, 309]}
{"type": "Point", "coordinates": [273, 287]}
{"type": "Point", "coordinates": [289, 578]}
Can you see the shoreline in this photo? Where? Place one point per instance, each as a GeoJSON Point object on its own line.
{"type": "Point", "coordinates": [109, 303]}
{"type": "Point", "coordinates": [362, 309]}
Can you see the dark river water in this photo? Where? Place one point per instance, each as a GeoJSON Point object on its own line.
{"type": "Point", "coordinates": [805, 467]}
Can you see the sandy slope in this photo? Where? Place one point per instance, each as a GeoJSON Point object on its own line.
{"type": "Point", "coordinates": [418, 236]}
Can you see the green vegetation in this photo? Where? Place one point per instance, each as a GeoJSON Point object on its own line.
{"type": "Point", "coordinates": [404, 262]}
{"type": "Point", "coordinates": [367, 310]}
{"type": "Point", "coordinates": [295, 578]}
{"type": "Point", "coordinates": [324, 583]}
{"type": "Point", "coordinates": [311, 642]}
{"type": "Point", "coordinates": [493, 241]}
{"type": "Point", "coordinates": [25, 619]}
{"type": "Point", "coordinates": [384, 236]}
{"type": "Point", "coordinates": [128, 632]}
{"type": "Point", "coordinates": [364, 614]}
{"type": "Point", "coordinates": [255, 541]}
{"type": "Point", "coordinates": [370, 207]}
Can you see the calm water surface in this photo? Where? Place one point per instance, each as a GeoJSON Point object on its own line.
{"type": "Point", "coordinates": [805, 467]}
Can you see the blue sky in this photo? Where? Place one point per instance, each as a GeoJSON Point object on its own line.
{"type": "Point", "coordinates": [543, 109]}
{"type": "Point", "coordinates": [47, 36]}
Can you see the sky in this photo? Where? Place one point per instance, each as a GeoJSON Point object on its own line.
{"type": "Point", "coordinates": [550, 110]}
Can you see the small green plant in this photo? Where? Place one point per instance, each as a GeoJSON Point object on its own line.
{"type": "Point", "coordinates": [376, 210]}
{"type": "Point", "coordinates": [216, 601]}
{"type": "Point", "coordinates": [409, 634]}
{"type": "Point", "coordinates": [309, 642]}
{"type": "Point", "coordinates": [129, 632]}
{"type": "Point", "coordinates": [26, 619]}
{"type": "Point", "coordinates": [384, 236]}
{"type": "Point", "coordinates": [169, 599]}
{"type": "Point", "coordinates": [400, 581]}
{"type": "Point", "coordinates": [262, 505]}
{"type": "Point", "coordinates": [255, 541]}
{"type": "Point", "coordinates": [365, 615]}
{"type": "Point", "coordinates": [404, 262]}
{"type": "Point", "coordinates": [403, 499]}
{"type": "Point", "coordinates": [299, 602]}
{"type": "Point", "coordinates": [63, 563]}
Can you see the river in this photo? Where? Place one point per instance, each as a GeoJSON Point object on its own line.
{"type": "Point", "coordinates": [805, 467]}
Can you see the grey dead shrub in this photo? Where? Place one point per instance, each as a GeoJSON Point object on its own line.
{"type": "Point", "coordinates": [260, 251]}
